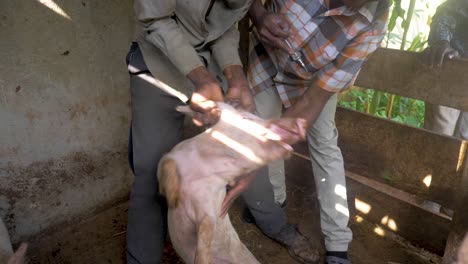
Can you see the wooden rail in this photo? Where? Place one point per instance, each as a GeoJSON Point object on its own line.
{"type": "Point", "coordinates": [404, 73]}
{"type": "Point", "coordinates": [413, 160]}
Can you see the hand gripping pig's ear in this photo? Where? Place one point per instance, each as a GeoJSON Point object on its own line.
{"type": "Point", "coordinates": [288, 130]}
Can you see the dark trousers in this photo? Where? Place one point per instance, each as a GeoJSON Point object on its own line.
{"type": "Point", "coordinates": [156, 128]}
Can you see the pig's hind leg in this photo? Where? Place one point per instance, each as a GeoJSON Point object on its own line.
{"type": "Point", "coordinates": [205, 237]}
{"type": "Point", "coordinates": [227, 246]}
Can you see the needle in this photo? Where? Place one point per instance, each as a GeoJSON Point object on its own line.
{"type": "Point", "coordinates": [296, 56]}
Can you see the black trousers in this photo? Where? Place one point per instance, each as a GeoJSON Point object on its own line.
{"type": "Point", "coordinates": [156, 128]}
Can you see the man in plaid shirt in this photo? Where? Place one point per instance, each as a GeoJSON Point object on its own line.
{"type": "Point", "coordinates": [334, 37]}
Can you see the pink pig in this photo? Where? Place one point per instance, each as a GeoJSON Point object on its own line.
{"type": "Point", "coordinates": [194, 175]}
{"type": "Point", "coordinates": [6, 251]}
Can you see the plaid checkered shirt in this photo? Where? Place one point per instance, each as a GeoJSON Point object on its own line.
{"type": "Point", "coordinates": [334, 42]}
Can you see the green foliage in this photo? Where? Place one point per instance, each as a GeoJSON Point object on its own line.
{"type": "Point", "coordinates": [405, 110]}
{"type": "Point", "coordinates": [394, 107]}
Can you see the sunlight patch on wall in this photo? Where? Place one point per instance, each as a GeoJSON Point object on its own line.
{"type": "Point", "coordinates": [359, 219]}
{"type": "Point", "coordinates": [362, 206]}
{"type": "Point", "coordinates": [386, 220]}
{"type": "Point", "coordinates": [54, 7]}
{"type": "Point", "coordinates": [427, 180]}
{"type": "Point", "coordinates": [461, 156]}
{"type": "Point", "coordinates": [379, 231]}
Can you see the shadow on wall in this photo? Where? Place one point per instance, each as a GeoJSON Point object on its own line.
{"type": "Point", "coordinates": [64, 110]}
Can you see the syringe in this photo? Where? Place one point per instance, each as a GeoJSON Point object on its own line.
{"type": "Point", "coordinates": [297, 56]}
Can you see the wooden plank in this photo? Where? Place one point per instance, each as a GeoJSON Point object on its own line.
{"type": "Point", "coordinates": [418, 226]}
{"type": "Point", "coordinates": [403, 73]}
{"type": "Point", "coordinates": [392, 192]}
{"type": "Point", "coordinates": [415, 224]}
{"type": "Point", "coordinates": [400, 156]}
{"type": "Point", "coordinates": [460, 221]}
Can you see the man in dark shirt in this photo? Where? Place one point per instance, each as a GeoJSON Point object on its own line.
{"type": "Point", "coordinates": [448, 39]}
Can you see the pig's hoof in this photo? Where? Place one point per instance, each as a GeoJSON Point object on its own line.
{"type": "Point", "coordinates": [299, 247]}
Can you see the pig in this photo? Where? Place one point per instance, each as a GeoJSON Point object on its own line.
{"type": "Point", "coordinates": [193, 177]}
{"type": "Point", "coordinates": [6, 251]}
{"type": "Point", "coordinates": [463, 251]}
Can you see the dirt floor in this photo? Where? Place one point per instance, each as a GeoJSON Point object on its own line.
{"type": "Point", "coordinates": [101, 239]}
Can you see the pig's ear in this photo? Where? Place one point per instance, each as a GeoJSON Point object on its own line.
{"type": "Point", "coordinates": [289, 130]}
{"type": "Point", "coordinates": [184, 109]}
{"type": "Point", "coordinates": [169, 181]}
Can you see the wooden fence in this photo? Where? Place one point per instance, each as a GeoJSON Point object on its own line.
{"type": "Point", "coordinates": [393, 168]}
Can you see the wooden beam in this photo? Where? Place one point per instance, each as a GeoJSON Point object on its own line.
{"type": "Point", "coordinates": [403, 157]}
{"type": "Point", "coordinates": [402, 215]}
{"type": "Point", "coordinates": [403, 73]}
{"type": "Point", "coordinates": [460, 221]}
{"type": "Point", "coordinates": [392, 192]}
{"type": "Point", "coordinates": [413, 223]}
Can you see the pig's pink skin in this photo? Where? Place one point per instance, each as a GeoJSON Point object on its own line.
{"type": "Point", "coordinates": [204, 167]}
{"type": "Point", "coordinates": [6, 251]}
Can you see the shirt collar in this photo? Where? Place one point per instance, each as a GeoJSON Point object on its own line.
{"type": "Point", "coordinates": [337, 7]}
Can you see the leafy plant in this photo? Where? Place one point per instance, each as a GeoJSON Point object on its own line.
{"type": "Point", "coordinates": [394, 107]}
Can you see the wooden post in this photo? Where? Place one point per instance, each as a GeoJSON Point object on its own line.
{"type": "Point", "coordinates": [460, 219]}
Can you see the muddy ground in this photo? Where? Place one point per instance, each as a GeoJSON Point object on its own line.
{"type": "Point", "coordinates": [101, 239]}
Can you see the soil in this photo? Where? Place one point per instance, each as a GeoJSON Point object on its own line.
{"type": "Point", "coordinates": [101, 239]}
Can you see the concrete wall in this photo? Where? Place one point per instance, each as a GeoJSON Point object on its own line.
{"type": "Point", "coordinates": [64, 110]}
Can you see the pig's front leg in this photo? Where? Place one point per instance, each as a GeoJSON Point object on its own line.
{"type": "Point", "coordinates": [205, 237]}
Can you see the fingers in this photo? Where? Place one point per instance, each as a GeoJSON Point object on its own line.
{"type": "Point", "coordinates": [440, 57]}
{"type": "Point", "coordinates": [206, 111]}
{"type": "Point", "coordinates": [241, 98]}
{"type": "Point", "coordinates": [268, 38]}
{"type": "Point", "coordinates": [201, 103]}
{"type": "Point", "coordinates": [452, 54]}
{"type": "Point", "coordinates": [228, 201]}
{"type": "Point", "coordinates": [289, 130]}
{"type": "Point", "coordinates": [279, 26]}
{"type": "Point", "coordinates": [236, 103]}
{"type": "Point", "coordinates": [274, 31]}
{"type": "Point", "coordinates": [207, 118]}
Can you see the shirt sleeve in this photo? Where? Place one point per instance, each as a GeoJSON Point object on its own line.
{"type": "Point", "coordinates": [342, 72]}
{"type": "Point", "coordinates": [163, 32]}
{"type": "Point", "coordinates": [225, 49]}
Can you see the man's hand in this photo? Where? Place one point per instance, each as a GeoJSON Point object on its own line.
{"type": "Point", "coordinates": [441, 51]}
{"type": "Point", "coordinates": [237, 187]}
{"type": "Point", "coordinates": [310, 105]}
{"type": "Point", "coordinates": [203, 100]}
{"type": "Point", "coordinates": [272, 28]}
{"type": "Point", "coordinates": [238, 94]}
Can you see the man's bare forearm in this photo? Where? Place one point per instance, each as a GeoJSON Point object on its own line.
{"type": "Point", "coordinates": [235, 75]}
{"type": "Point", "coordinates": [310, 105]}
{"type": "Point", "coordinates": [201, 77]}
